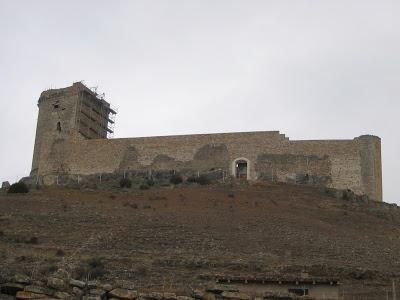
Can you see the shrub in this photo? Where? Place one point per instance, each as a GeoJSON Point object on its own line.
{"type": "Point", "coordinates": [60, 252]}
{"type": "Point", "coordinates": [90, 269]}
{"type": "Point", "coordinates": [144, 187]}
{"type": "Point", "coordinates": [125, 183]}
{"type": "Point", "coordinates": [176, 179]}
{"type": "Point", "coordinates": [191, 179]}
{"type": "Point", "coordinates": [150, 182]}
{"type": "Point", "coordinates": [33, 240]}
{"type": "Point", "coordinates": [18, 187]}
{"type": "Point", "coordinates": [203, 180]}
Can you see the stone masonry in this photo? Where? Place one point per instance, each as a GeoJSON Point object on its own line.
{"type": "Point", "coordinates": [71, 139]}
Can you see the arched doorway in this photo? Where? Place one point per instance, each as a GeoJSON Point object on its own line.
{"type": "Point", "coordinates": [241, 168]}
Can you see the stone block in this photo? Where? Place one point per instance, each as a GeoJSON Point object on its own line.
{"type": "Point", "coordinates": [56, 283]}
{"type": "Point", "coordinates": [29, 295]}
{"type": "Point", "coordinates": [38, 290]}
{"type": "Point", "coordinates": [63, 295]}
{"type": "Point", "coordinates": [77, 283]}
{"type": "Point", "coordinates": [123, 294]}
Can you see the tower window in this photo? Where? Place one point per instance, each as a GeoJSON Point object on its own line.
{"type": "Point", "coordinates": [58, 126]}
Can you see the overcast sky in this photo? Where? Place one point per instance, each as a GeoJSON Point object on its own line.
{"type": "Point", "coordinates": [310, 69]}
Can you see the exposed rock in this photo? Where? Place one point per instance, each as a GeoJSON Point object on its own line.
{"type": "Point", "coordinates": [169, 296]}
{"type": "Point", "coordinates": [20, 278]}
{"type": "Point", "coordinates": [235, 295]}
{"type": "Point", "coordinates": [92, 284]}
{"type": "Point", "coordinates": [77, 283]}
{"type": "Point", "coordinates": [97, 292]}
{"type": "Point", "coordinates": [198, 294]}
{"type": "Point", "coordinates": [29, 295]}
{"type": "Point", "coordinates": [123, 294]}
{"type": "Point", "coordinates": [38, 290]}
{"type": "Point", "coordinates": [62, 295]}
{"type": "Point", "coordinates": [155, 296]}
{"type": "Point", "coordinates": [77, 291]}
{"type": "Point", "coordinates": [125, 284]}
{"type": "Point", "coordinates": [56, 283]}
{"type": "Point", "coordinates": [107, 287]}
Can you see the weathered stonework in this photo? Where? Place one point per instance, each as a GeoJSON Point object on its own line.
{"type": "Point", "coordinates": [343, 164]}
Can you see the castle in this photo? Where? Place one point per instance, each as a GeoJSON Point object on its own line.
{"type": "Point", "coordinates": [72, 139]}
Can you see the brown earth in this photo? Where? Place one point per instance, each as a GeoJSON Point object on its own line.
{"type": "Point", "coordinates": [176, 238]}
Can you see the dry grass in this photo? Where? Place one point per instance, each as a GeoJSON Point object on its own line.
{"type": "Point", "coordinates": [184, 235]}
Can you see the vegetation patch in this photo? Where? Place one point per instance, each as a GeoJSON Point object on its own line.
{"type": "Point", "coordinates": [18, 187]}
{"type": "Point", "coordinates": [92, 268]}
{"type": "Point", "coordinates": [125, 183]}
{"type": "Point", "coordinates": [176, 179]}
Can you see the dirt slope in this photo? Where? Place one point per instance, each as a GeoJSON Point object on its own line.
{"type": "Point", "coordinates": [180, 237]}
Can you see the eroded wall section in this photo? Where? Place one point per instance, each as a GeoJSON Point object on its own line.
{"type": "Point", "coordinates": [345, 164]}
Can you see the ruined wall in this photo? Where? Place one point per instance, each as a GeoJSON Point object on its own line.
{"type": "Point", "coordinates": [343, 164]}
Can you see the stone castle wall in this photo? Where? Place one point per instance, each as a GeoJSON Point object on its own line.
{"type": "Point", "coordinates": [342, 164]}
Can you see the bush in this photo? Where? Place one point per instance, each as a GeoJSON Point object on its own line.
{"type": "Point", "coordinates": [33, 240]}
{"type": "Point", "coordinates": [60, 252]}
{"type": "Point", "coordinates": [93, 268]}
{"type": "Point", "coordinates": [150, 182]}
{"type": "Point", "coordinates": [191, 179]}
{"type": "Point", "coordinates": [176, 179]}
{"type": "Point", "coordinates": [203, 180]}
{"type": "Point", "coordinates": [144, 187]}
{"type": "Point", "coordinates": [18, 187]}
{"type": "Point", "coordinates": [125, 183]}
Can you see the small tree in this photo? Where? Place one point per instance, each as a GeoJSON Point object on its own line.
{"type": "Point", "coordinates": [18, 187]}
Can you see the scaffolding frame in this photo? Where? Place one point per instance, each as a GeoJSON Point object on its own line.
{"type": "Point", "coordinates": [99, 114]}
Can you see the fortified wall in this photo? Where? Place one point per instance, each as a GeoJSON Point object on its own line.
{"type": "Point", "coordinates": [74, 122]}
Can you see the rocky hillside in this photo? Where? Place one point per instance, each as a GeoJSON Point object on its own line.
{"type": "Point", "coordinates": [178, 238]}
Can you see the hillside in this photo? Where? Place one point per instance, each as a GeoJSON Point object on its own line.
{"type": "Point", "coordinates": [180, 237]}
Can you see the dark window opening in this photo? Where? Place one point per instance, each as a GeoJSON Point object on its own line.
{"type": "Point", "coordinates": [299, 291]}
{"type": "Point", "coordinates": [241, 169]}
{"type": "Point", "coordinates": [58, 126]}
{"type": "Point", "coordinates": [55, 106]}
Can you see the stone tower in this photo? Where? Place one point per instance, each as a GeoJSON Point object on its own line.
{"type": "Point", "coordinates": [371, 165]}
{"type": "Point", "coordinates": [71, 112]}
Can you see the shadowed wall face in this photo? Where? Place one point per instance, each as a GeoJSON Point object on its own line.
{"type": "Point", "coordinates": [62, 149]}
